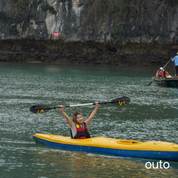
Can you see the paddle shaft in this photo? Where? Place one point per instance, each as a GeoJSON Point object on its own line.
{"type": "Point", "coordinates": [167, 64]}
{"type": "Point", "coordinates": [159, 73]}
{"type": "Point", "coordinates": [87, 104]}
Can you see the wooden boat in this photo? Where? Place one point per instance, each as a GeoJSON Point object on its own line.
{"type": "Point", "coordinates": [167, 82]}
{"type": "Point", "coordinates": [110, 146]}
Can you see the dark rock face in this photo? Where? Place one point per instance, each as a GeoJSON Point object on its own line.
{"type": "Point", "coordinates": [92, 32]}
{"type": "Point", "coordinates": [58, 52]}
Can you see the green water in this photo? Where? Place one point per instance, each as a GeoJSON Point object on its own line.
{"type": "Point", "coordinates": [151, 115]}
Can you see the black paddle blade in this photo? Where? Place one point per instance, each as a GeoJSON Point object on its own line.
{"type": "Point", "coordinates": [121, 101]}
{"type": "Point", "coordinates": [37, 109]}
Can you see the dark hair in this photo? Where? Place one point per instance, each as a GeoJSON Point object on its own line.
{"type": "Point", "coordinates": [76, 113]}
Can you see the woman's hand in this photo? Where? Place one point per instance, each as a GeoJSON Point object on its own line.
{"type": "Point", "coordinates": [96, 103]}
{"type": "Point", "coordinates": [61, 108]}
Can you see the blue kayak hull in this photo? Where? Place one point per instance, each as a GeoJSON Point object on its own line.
{"type": "Point", "coordinates": [161, 155]}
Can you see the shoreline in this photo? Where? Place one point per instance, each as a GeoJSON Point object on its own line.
{"type": "Point", "coordinates": [88, 53]}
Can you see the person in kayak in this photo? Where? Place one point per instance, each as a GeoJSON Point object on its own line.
{"type": "Point", "coordinates": [78, 126]}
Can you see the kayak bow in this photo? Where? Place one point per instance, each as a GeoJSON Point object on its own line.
{"type": "Point", "coordinates": [110, 146]}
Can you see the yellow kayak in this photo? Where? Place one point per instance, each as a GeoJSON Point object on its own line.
{"type": "Point", "coordinates": [111, 146]}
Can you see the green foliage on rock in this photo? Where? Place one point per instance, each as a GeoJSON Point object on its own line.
{"type": "Point", "coordinates": [116, 26]}
{"type": "Point", "coordinates": [48, 7]}
{"type": "Point", "coordinates": [172, 2]}
{"type": "Point", "coordinates": [3, 16]}
{"type": "Point", "coordinates": [118, 10]}
{"type": "Point", "coordinates": [19, 5]}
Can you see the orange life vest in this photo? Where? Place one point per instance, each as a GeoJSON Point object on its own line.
{"type": "Point", "coordinates": [160, 73]}
{"type": "Point", "coordinates": [166, 73]}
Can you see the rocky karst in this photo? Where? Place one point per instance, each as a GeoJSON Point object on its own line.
{"type": "Point", "coordinates": [92, 32]}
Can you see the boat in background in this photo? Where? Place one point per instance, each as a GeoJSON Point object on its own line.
{"type": "Point", "coordinates": [110, 146]}
{"type": "Point", "coordinates": [167, 82]}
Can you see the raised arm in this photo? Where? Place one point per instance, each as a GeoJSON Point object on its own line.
{"type": "Point", "coordinates": [65, 115]}
{"type": "Point", "coordinates": [92, 114]}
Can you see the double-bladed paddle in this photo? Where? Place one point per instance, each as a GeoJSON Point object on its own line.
{"type": "Point", "coordinates": [42, 109]}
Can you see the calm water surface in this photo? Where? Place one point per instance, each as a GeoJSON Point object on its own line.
{"type": "Point", "coordinates": [151, 115]}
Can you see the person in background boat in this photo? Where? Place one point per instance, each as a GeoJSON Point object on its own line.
{"type": "Point", "coordinates": [79, 127]}
{"type": "Point", "coordinates": [162, 73]}
{"type": "Point", "coordinates": [175, 60]}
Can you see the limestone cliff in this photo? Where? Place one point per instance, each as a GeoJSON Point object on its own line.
{"type": "Point", "coordinates": [115, 32]}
